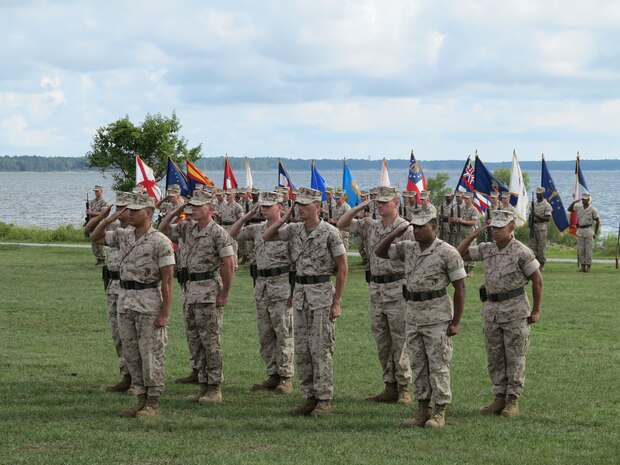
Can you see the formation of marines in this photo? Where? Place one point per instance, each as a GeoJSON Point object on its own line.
{"type": "Point", "coordinates": [412, 254]}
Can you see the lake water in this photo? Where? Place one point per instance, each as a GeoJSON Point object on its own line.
{"type": "Point", "coordinates": [57, 198]}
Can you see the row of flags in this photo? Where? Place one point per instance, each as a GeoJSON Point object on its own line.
{"type": "Point", "coordinates": [475, 178]}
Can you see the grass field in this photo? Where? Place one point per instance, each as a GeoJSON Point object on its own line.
{"type": "Point", "coordinates": [56, 353]}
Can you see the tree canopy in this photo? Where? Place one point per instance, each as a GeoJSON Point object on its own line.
{"type": "Point", "coordinates": [503, 175]}
{"type": "Point", "coordinates": [115, 146]}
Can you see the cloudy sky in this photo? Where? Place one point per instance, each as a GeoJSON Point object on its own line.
{"type": "Point", "coordinates": [317, 78]}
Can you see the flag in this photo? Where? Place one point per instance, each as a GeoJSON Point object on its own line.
{"type": "Point", "coordinates": [517, 189]}
{"type": "Point", "coordinates": [466, 184]}
{"type": "Point", "coordinates": [552, 196]}
{"type": "Point", "coordinates": [349, 185]}
{"type": "Point", "coordinates": [284, 180]}
{"type": "Point", "coordinates": [485, 182]}
{"type": "Point", "coordinates": [248, 175]}
{"type": "Point", "coordinates": [317, 182]}
{"type": "Point", "coordinates": [579, 188]}
{"type": "Point", "coordinates": [229, 177]}
{"type": "Point", "coordinates": [146, 178]}
{"type": "Point", "coordinates": [195, 176]}
{"type": "Point", "coordinates": [385, 178]}
{"type": "Point", "coordinates": [416, 182]}
{"type": "Point", "coordinates": [175, 176]}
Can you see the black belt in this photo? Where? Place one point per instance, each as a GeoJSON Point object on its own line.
{"type": "Point", "coordinates": [501, 296]}
{"type": "Point", "coordinates": [386, 278]}
{"type": "Point", "coordinates": [201, 276]}
{"type": "Point", "coordinates": [137, 286]}
{"type": "Point", "coordinates": [266, 273]}
{"type": "Point", "coordinates": [423, 296]}
{"type": "Point", "coordinates": [582, 226]}
{"type": "Point", "coordinates": [312, 279]}
{"type": "Point", "coordinates": [114, 274]}
{"type": "Point", "coordinates": [228, 223]}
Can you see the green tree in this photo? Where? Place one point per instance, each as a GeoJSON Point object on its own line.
{"type": "Point", "coordinates": [437, 186]}
{"type": "Point", "coordinates": [503, 176]}
{"type": "Point", "coordinates": [115, 146]}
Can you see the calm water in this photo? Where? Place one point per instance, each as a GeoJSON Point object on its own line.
{"type": "Point", "coordinates": [52, 199]}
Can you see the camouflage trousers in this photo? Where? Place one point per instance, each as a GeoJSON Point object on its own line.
{"type": "Point", "coordinates": [315, 337]}
{"type": "Point", "coordinates": [208, 320]}
{"type": "Point", "coordinates": [275, 335]}
{"type": "Point", "coordinates": [430, 350]}
{"type": "Point", "coordinates": [585, 247]}
{"type": "Point", "coordinates": [99, 251]}
{"type": "Point", "coordinates": [111, 300]}
{"type": "Point", "coordinates": [194, 344]}
{"type": "Point", "coordinates": [387, 322]}
{"type": "Point", "coordinates": [538, 244]}
{"type": "Point", "coordinates": [507, 345]}
{"type": "Point", "coordinates": [144, 346]}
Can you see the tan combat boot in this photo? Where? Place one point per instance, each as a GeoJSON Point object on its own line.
{"type": "Point", "coordinates": [132, 411]}
{"type": "Point", "coordinates": [151, 409]}
{"type": "Point", "coordinates": [196, 397]}
{"type": "Point", "coordinates": [404, 397]}
{"type": "Point", "coordinates": [268, 385]}
{"type": "Point", "coordinates": [192, 378]}
{"type": "Point", "coordinates": [582, 269]}
{"type": "Point", "coordinates": [323, 409]}
{"type": "Point", "coordinates": [424, 414]}
{"type": "Point", "coordinates": [212, 396]}
{"type": "Point", "coordinates": [438, 418]}
{"type": "Point", "coordinates": [389, 394]}
{"type": "Point", "coordinates": [122, 386]}
{"type": "Point", "coordinates": [512, 407]}
{"type": "Point", "coordinates": [306, 408]}
{"type": "Point", "coordinates": [495, 407]}
{"type": "Point", "coordinates": [588, 268]}
{"type": "Point", "coordinates": [285, 386]}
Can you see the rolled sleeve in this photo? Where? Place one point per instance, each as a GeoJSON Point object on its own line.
{"type": "Point", "coordinates": [110, 239]}
{"type": "Point", "coordinates": [166, 261]}
{"type": "Point", "coordinates": [457, 274]}
{"type": "Point", "coordinates": [530, 267]}
{"type": "Point", "coordinates": [226, 251]}
{"type": "Point", "coordinates": [474, 253]}
{"type": "Point", "coordinates": [338, 250]}
{"type": "Point", "coordinates": [354, 227]}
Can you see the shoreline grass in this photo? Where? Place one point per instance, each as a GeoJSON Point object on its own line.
{"type": "Point", "coordinates": [56, 353]}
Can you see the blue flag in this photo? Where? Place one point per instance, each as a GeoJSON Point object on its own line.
{"type": "Point", "coordinates": [317, 182]}
{"type": "Point", "coordinates": [485, 182]}
{"type": "Point", "coordinates": [175, 176]}
{"type": "Point", "coordinates": [349, 185]}
{"type": "Point", "coordinates": [552, 196]}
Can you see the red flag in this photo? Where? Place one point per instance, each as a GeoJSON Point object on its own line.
{"type": "Point", "coordinates": [416, 182]}
{"type": "Point", "coordinates": [146, 179]}
{"type": "Point", "coordinates": [229, 177]}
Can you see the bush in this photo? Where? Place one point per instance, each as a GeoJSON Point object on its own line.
{"type": "Point", "coordinates": [62, 234]}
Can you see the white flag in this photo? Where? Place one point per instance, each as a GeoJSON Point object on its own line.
{"type": "Point", "coordinates": [248, 175]}
{"type": "Point", "coordinates": [146, 178]}
{"type": "Point", "coordinates": [385, 178]}
{"type": "Point", "coordinates": [517, 189]}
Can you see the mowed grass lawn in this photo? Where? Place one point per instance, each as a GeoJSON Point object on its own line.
{"type": "Point", "coordinates": [56, 353]}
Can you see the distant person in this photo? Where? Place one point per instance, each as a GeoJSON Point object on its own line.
{"type": "Point", "coordinates": [338, 210]}
{"type": "Point", "coordinates": [508, 266]}
{"type": "Point", "coordinates": [505, 202]}
{"type": "Point", "coordinates": [94, 209]}
{"type": "Point", "coordinates": [539, 219]}
{"type": "Point", "coordinates": [588, 224]}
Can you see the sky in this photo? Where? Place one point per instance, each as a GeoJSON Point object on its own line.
{"type": "Point", "coordinates": [317, 79]}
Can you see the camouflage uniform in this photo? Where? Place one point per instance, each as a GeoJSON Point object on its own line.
{"type": "Point", "coordinates": [387, 305]}
{"type": "Point", "coordinates": [143, 343]}
{"type": "Point", "coordinates": [455, 228]}
{"type": "Point", "coordinates": [585, 231]}
{"type": "Point", "coordinates": [506, 330]}
{"type": "Point", "coordinates": [315, 335]}
{"type": "Point", "coordinates": [468, 213]}
{"type": "Point", "coordinates": [229, 214]}
{"type": "Point", "coordinates": [205, 250]}
{"type": "Point", "coordinates": [444, 212]}
{"type": "Point", "coordinates": [538, 240]}
{"type": "Point", "coordinates": [430, 348]}
{"type": "Point", "coordinates": [111, 293]}
{"type": "Point", "coordinates": [337, 212]}
{"type": "Point", "coordinates": [274, 318]}
{"type": "Point", "coordinates": [96, 205]}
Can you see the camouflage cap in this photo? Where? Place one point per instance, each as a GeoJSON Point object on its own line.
{"type": "Point", "coordinates": [421, 216]}
{"type": "Point", "coordinates": [282, 189]}
{"type": "Point", "coordinates": [329, 190]}
{"type": "Point", "coordinates": [339, 193]}
{"type": "Point", "coordinates": [505, 195]}
{"type": "Point", "coordinates": [425, 194]}
{"type": "Point", "coordinates": [540, 190]}
{"type": "Point", "coordinates": [123, 198]}
{"type": "Point", "coordinates": [230, 191]}
{"type": "Point", "coordinates": [409, 194]}
{"type": "Point", "coordinates": [500, 218]}
{"type": "Point", "coordinates": [494, 195]}
{"type": "Point", "coordinates": [448, 194]}
{"type": "Point", "coordinates": [459, 193]}
{"type": "Point", "coordinates": [201, 198]}
{"type": "Point", "coordinates": [173, 189]}
{"type": "Point", "coordinates": [254, 190]}
{"type": "Point", "coordinates": [387, 193]}
{"type": "Point", "coordinates": [364, 193]}
{"type": "Point", "coordinates": [141, 201]}
{"type": "Point", "coordinates": [468, 195]}
{"type": "Point", "coordinates": [138, 190]}
{"type": "Point", "coordinates": [586, 196]}
{"type": "Point", "coordinates": [267, 199]}
{"type": "Point", "coordinates": [199, 187]}
{"type": "Point", "coordinates": [98, 188]}
{"type": "Point", "coordinates": [210, 189]}
{"type": "Point", "coordinates": [306, 196]}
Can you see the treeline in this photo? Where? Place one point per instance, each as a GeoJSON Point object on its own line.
{"type": "Point", "coordinates": [36, 163]}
